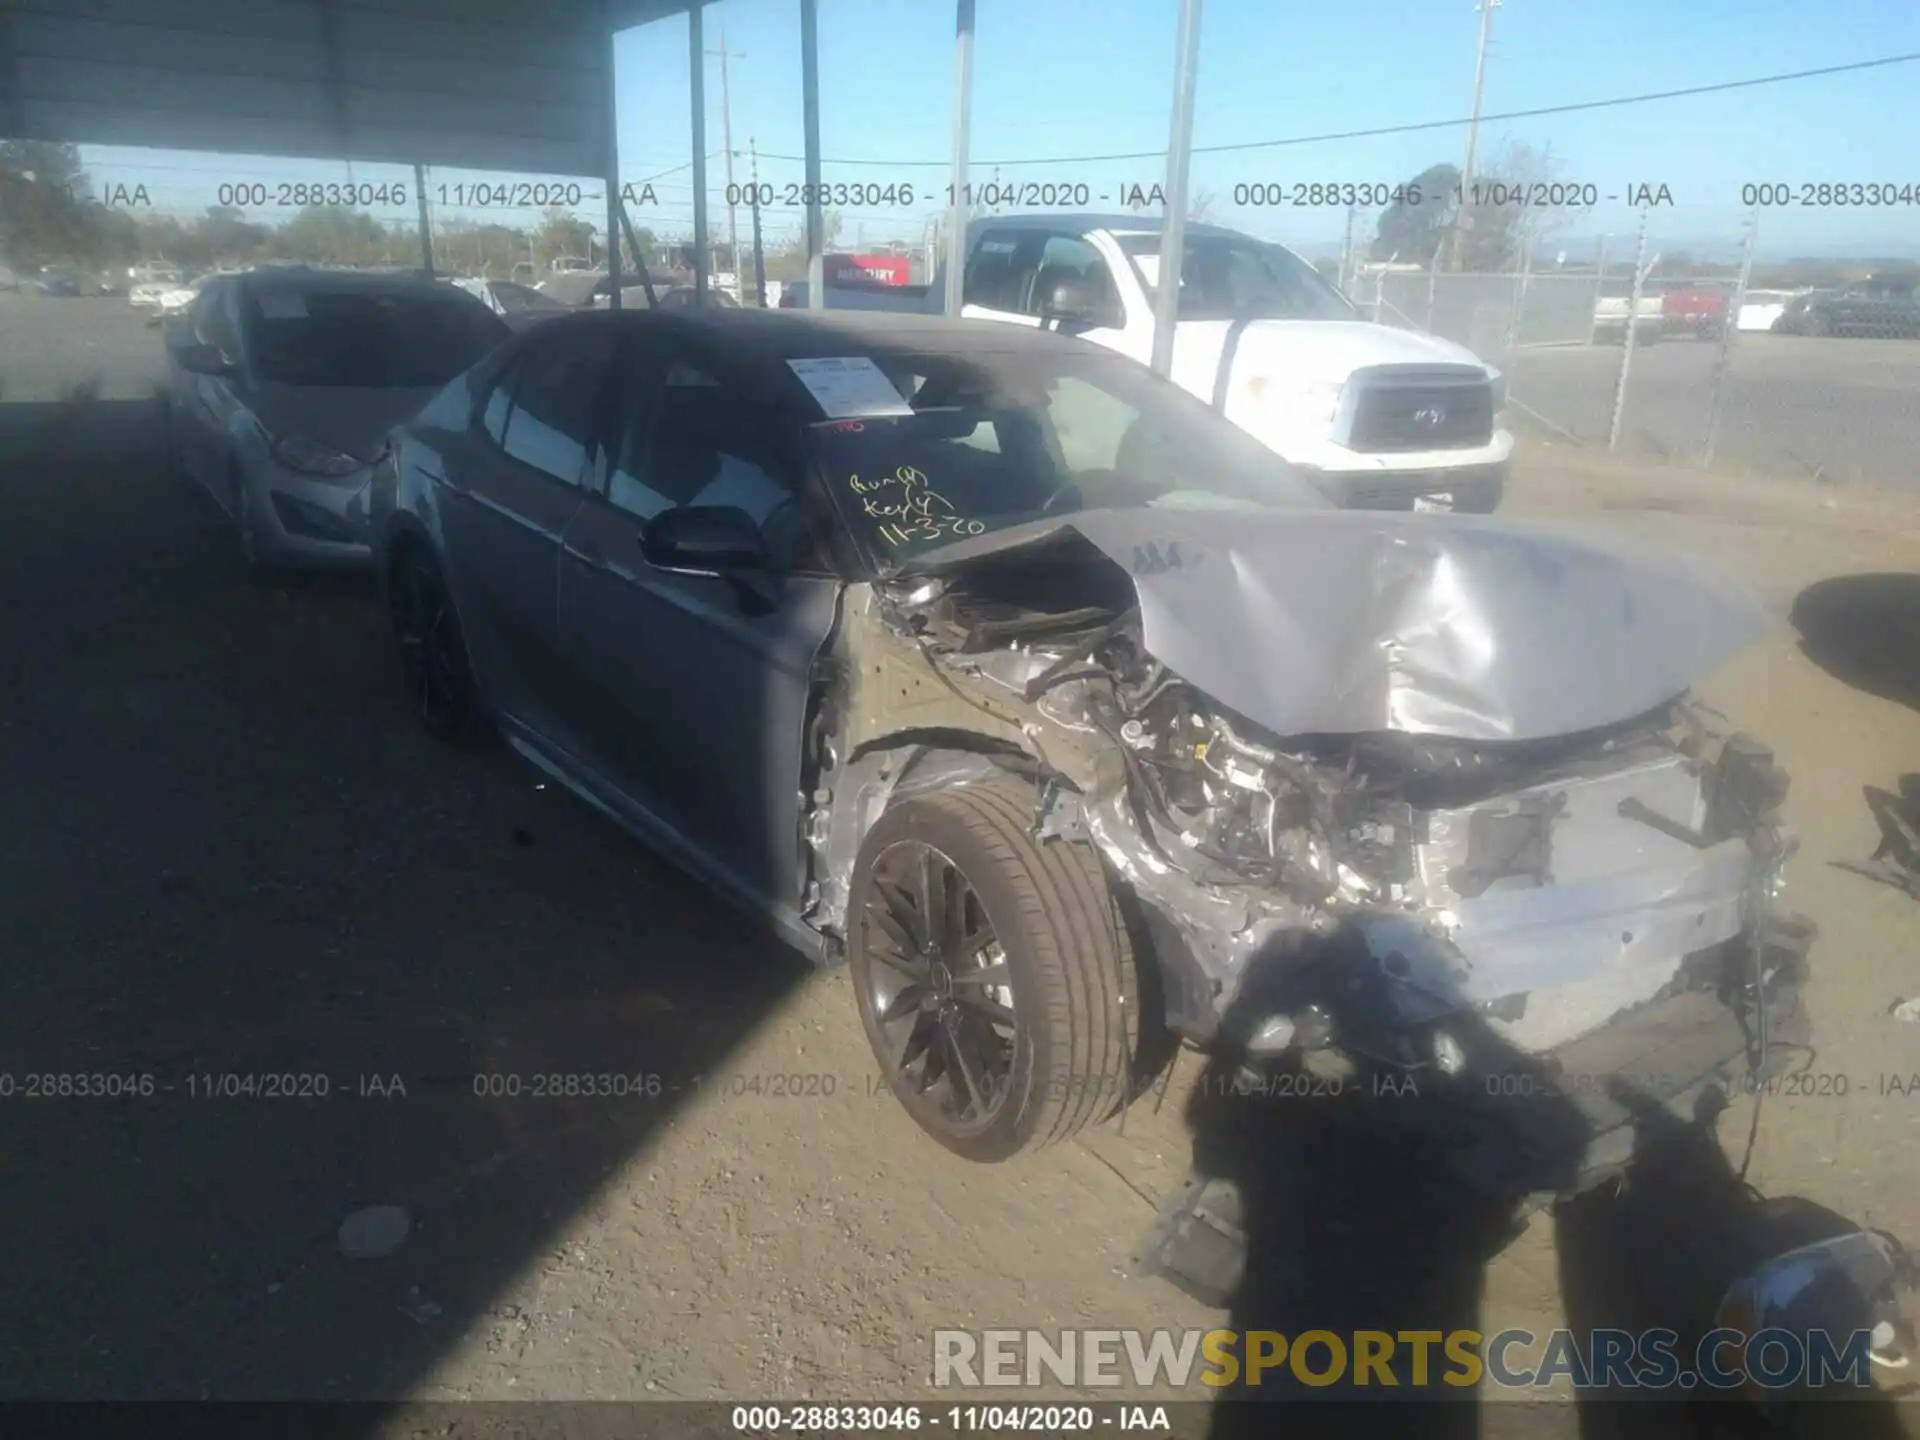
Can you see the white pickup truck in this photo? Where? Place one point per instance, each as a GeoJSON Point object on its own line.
{"type": "Point", "coordinates": [1379, 418]}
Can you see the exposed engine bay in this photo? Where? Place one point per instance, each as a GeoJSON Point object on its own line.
{"type": "Point", "coordinates": [1347, 886]}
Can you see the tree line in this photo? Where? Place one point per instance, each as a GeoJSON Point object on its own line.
{"type": "Point", "coordinates": [50, 216]}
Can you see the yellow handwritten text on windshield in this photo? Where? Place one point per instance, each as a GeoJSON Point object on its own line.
{"type": "Point", "coordinates": [910, 509]}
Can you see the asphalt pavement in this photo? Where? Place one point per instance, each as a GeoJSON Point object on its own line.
{"type": "Point", "coordinates": [258, 934]}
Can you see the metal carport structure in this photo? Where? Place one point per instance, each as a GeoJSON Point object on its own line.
{"type": "Point", "coordinates": [487, 84]}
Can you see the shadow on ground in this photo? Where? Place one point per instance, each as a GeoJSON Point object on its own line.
{"type": "Point", "coordinates": [1865, 630]}
{"type": "Point", "coordinates": [1375, 1205]}
{"type": "Point", "coordinates": [236, 881]}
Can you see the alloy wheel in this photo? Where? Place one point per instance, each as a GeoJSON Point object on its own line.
{"type": "Point", "coordinates": [939, 985]}
{"type": "Point", "coordinates": [431, 654]}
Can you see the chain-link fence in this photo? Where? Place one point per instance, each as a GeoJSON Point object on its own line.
{"type": "Point", "coordinates": [1698, 370]}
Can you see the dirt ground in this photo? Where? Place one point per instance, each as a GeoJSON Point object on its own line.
{"type": "Point", "coordinates": [225, 850]}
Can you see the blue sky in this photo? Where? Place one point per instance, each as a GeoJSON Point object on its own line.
{"type": "Point", "coordinates": [1066, 78]}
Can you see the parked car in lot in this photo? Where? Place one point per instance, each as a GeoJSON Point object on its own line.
{"type": "Point", "coordinates": [666, 297]}
{"type": "Point", "coordinates": [1696, 310]}
{"type": "Point", "coordinates": [152, 272]}
{"type": "Point", "coordinates": [1610, 319]}
{"type": "Point", "coordinates": [1071, 715]}
{"type": "Point", "coordinates": [1381, 418]}
{"type": "Point", "coordinates": [1762, 309]}
{"type": "Point", "coordinates": [61, 283]}
{"type": "Point", "coordinates": [519, 305]}
{"type": "Point", "coordinates": [154, 282]}
{"type": "Point", "coordinates": [282, 385]}
{"type": "Point", "coordinates": [1882, 307]}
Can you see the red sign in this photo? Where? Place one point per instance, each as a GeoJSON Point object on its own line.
{"type": "Point", "coordinates": [875, 269]}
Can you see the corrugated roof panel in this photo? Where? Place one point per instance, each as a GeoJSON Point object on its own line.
{"type": "Point", "coordinates": [482, 84]}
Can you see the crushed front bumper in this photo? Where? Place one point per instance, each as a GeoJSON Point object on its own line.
{"type": "Point", "coordinates": [1519, 1132]}
{"type": "Point", "coordinates": [312, 522]}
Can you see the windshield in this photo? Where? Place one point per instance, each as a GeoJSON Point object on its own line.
{"type": "Point", "coordinates": [999, 441]}
{"type": "Point", "coordinates": [1229, 277]}
{"type": "Point", "coordinates": [368, 339]}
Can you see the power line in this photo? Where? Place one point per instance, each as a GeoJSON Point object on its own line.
{"type": "Point", "coordinates": [1415, 127]}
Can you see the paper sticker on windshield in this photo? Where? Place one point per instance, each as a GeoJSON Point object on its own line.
{"type": "Point", "coordinates": [282, 305]}
{"type": "Point", "coordinates": [848, 386]}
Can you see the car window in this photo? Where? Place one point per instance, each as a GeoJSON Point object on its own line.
{"type": "Point", "coordinates": [995, 444]}
{"type": "Point", "coordinates": [1230, 277]}
{"type": "Point", "coordinates": [1068, 257]}
{"type": "Point", "coordinates": [367, 339]}
{"type": "Point", "coordinates": [499, 406]}
{"type": "Point", "coordinates": [553, 391]}
{"type": "Point", "coordinates": [999, 268]}
{"type": "Point", "coordinates": [700, 443]}
{"type": "Point", "coordinates": [213, 321]}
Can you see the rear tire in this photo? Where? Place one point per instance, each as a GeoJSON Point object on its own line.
{"type": "Point", "coordinates": [1000, 1045]}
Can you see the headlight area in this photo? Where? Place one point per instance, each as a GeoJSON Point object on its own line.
{"type": "Point", "coordinates": [306, 520]}
{"type": "Point", "coordinates": [1315, 402]}
{"type": "Point", "coordinates": [311, 457]}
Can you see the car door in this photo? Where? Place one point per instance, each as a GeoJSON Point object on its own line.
{"type": "Point", "coordinates": [504, 501]}
{"type": "Point", "coordinates": [1009, 272]}
{"type": "Point", "coordinates": [693, 688]}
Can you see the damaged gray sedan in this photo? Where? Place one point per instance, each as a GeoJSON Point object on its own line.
{"type": "Point", "coordinates": [1074, 720]}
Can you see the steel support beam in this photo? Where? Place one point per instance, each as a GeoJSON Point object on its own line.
{"type": "Point", "coordinates": [426, 225]}
{"type": "Point", "coordinates": [957, 207]}
{"type": "Point", "coordinates": [697, 63]}
{"type": "Point", "coordinates": [810, 108]}
{"type": "Point", "coordinates": [616, 211]}
{"type": "Point", "coordinates": [1173, 234]}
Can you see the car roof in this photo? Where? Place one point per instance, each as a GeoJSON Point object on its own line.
{"type": "Point", "coordinates": [1078, 223]}
{"type": "Point", "coordinates": [360, 282]}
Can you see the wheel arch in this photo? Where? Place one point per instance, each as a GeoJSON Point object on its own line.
{"type": "Point", "coordinates": [911, 763]}
{"type": "Point", "coordinates": [859, 790]}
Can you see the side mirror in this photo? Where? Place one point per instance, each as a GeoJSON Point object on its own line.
{"type": "Point", "coordinates": [1075, 302]}
{"type": "Point", "coordinates": [198, 359]}
{"type": "Point", "coordinates": [704, 540]}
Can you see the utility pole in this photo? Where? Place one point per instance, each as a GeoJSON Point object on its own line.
{"type": "Point", "coordinates": [759, 251]}
{"type": "Point", "coordinates": [726, 138]}
{"type": "Point", "coordinates": [1486, 8]}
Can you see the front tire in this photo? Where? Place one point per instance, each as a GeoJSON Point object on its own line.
{"type": "Point", "coordinates": [994, 973]}
{"type": "Point", "coordinates": [433, 651]}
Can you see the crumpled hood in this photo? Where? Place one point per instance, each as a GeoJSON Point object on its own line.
{"type": "Point", "coordinates": [1339, 622]}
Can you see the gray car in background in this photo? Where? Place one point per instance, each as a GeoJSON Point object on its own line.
{"type": "Point", "coordinates": [283, 383]}
{"type": "Point", "coordinates": [519, 305]}
{"type": "Point", "coordinates": [1073, 717]}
